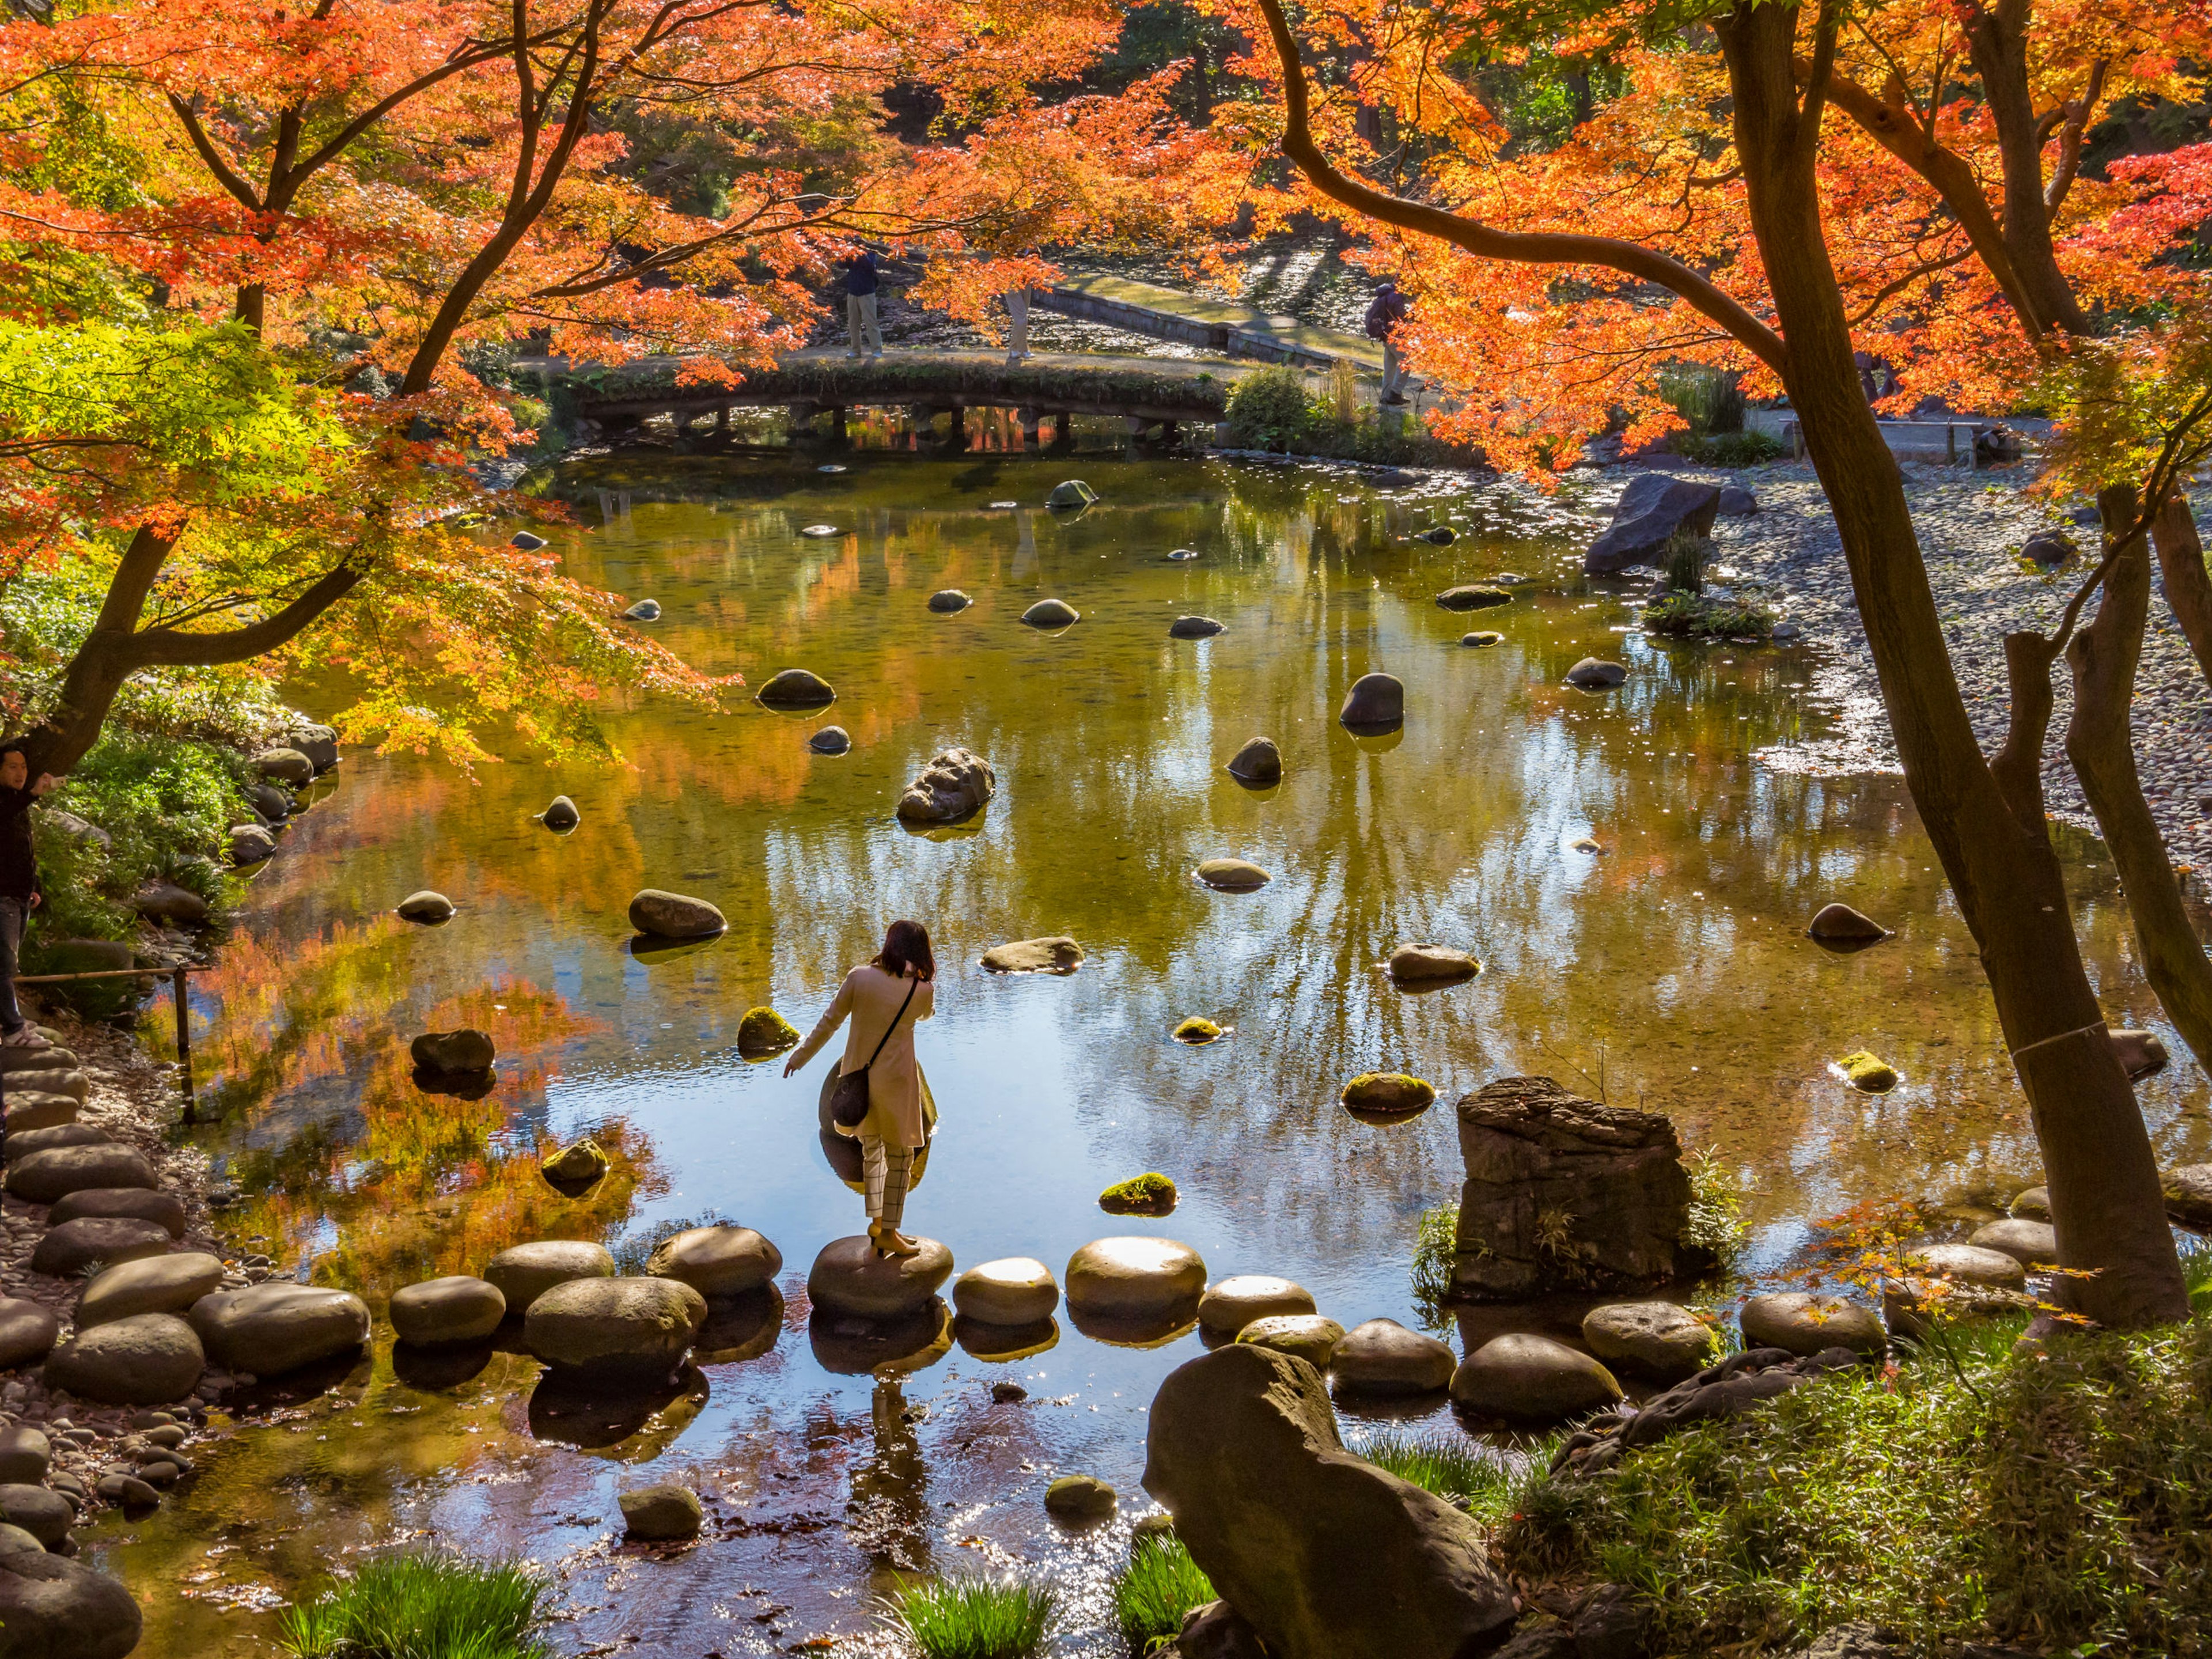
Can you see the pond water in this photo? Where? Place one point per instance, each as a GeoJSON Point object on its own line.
{"type": "Point", "coordinates": [1669, 969]}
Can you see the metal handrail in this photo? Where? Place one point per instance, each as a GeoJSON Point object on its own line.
{"type": "Point", "coordinates": [175, 975]}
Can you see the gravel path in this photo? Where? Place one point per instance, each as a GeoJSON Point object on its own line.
{"type": "Point", "coordinates": [1971, 525]}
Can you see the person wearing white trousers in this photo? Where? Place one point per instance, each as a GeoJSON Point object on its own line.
{"type": "Point", "coordinates": [1017, 330]}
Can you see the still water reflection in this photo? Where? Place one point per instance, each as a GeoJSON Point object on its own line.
{"type": "Point", "coordinates": [1668, 970]}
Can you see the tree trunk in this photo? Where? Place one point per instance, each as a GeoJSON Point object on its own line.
{"type": "Point", "coordinates": [2104, 1197]}
{"type": "Point", "coordinates": [2181, 566]}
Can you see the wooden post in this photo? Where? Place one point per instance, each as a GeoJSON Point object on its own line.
{"type": "Point", "coordinates": [183, 1040]}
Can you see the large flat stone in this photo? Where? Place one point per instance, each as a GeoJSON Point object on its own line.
{"type": "Point", "coordinates": [148, 1359]}
{"type": "Point", "coordinates": [277, 1327]}
{"type": "Point", "coordinates": [1017, 1290]}
{"type": "Point", "coordinates": [159, 1284]}
{"type": "Point", "coordinates": [631, 1326]}
{"type": "Point", "coordinates": [725, 1261]}
{"type": "Point", "coordinates": [139, 1203]}
{"type": "Point", "coordinates": [67, 1250]}
{"type": "Point", "coordinates": [454, 1309]}
{"type": "Point", "coordinates": [1134, 1277]}
{"type": "Point", "coordinates": [848, 1277]}
{"type": "Point", "coordinates": [1382, 1356]}
{"type": "Point", "coordinates": [525, 1271]}
{"type": "Point", "coordinates": [1525, 1378]}
{"type": "Point", "coordinates": [43, 1177]}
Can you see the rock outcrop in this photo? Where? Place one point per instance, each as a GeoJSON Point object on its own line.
{"type": "Point", "coordinates": [1651, 509]}
{"type": "Point", "coordinates": [952, 786]}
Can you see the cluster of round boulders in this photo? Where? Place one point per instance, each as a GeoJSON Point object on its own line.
{"type": "Point", "coordinates": [724, 1259]}
{"type": "Point", "coordinates": [664, 1514]}
{"type": "Point", "coordinates": [848, 1277]}
{"type": "Point", "coordinates": [2031, 1243]}
{"type": "Point", "coordinates": [560, 815]}
{"type": "Point", "coordinates": [763, 1031]}
{"type": "Point", "coordinates": [830, 740]}
{"type": "Point", "coordinates": [1052, 613]}
{"type": "Point", "coordinates": [153, 1283]}
{"type": "Point", "coordinates": [1133, 1278]}
{"type": "Point", "coordinates": [146, 1204]}
{"type": "Point", "coordinates": [524, 1273]}
{"type": "Point", "coordinates": [452, 1310]}
{"type": "Point", "coordinates": [1432, 965]}
{"type": "Point", "coordinates": [949, 601]}
{"type": "Point", "coordinates": [580, 1164]}
{"type": "Point", "coordinates": [453, 1053]}
{"type": "Point", "coordinates": [47, 1176]}
{"type": "Point", "coordinates": [427, 906]}
{"type": "Point", "coordinates": [1382, 1358]}
{"type": "Point", "coordinates": [148, 1359]}
{"type": "Point", "coordinates": [1838, 924]}
{"type": "Point", "coordinates": [1057, 954]}
{"type": "Point", "coordinates": [279, 1325]}
{"type": "Point", "coordinates": [1310, 1336]}
{"type": "Point", "coordinates": [1376, 703]}
{"type": "Point", "coordinates": [1805, 1324]}
{"type": "Point", "coordinates": [1233, 875]}
{"type": "Point", "coordinates": [674, 915]}
{"type": "Point", "coordinates": [1472, 598]}
{"type": "Point", "coordinates": [795, 688]}
{"type": "Point", "coordinates": [1193, 627]}
{"type": "Point", "coordinates": [1595, 674]}
{"type": "Point", "coordinates": [607, 1325]}
{"type": "Point", "coordinates": [1227, 1307]}
{"type": "Point", "coordinates": [1656, 1340]}
{"type": "Point", "coordinates": [1390, 1094]}
{"type": "Point", "coordinates": [1258, 763]}
{"type": "Point", "coordinates": [1526, 1378]}
{"type": "Point", "coordinates": [1017, 1290]}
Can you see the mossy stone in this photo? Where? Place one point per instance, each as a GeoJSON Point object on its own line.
{"type": "Point", "coordinates": [762, 1033]}
{"type": "Point", "coordinates": [1388, 1092]}
{"type": "Point", "coordinates": [1197, 1030]}
{"type": "Point", "coordinates": [1868, 1072]}
{"type": "Point", "coordinates": [1151, 1194]}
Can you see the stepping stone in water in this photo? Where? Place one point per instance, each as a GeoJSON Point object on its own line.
{"type": "Point", "coordinates": [1839, 923]}
{"type": "Point", "coordinates": [1656, 1340]}
{"type": "Point", "coordinates": [1228, 1307]}
{"type": "Point", "coordinates": [1017, 1290]}
{"type": "Point", "coordinates": [1134, 1277]}
{"type": "Point", "coordinates": [1309, 1337]}
{"type": "Point", "coordinates": [1193, 627]}
{"type": "Point", "coordinates": [848, 1277]}
{"type": "Point", "coordinates": [1376, 703]}
{"type": "Point", "coordinates": [1232, 875]}
{"type": "Point", "coordinates": [1531, 1379]}
{"type": "Point", "coordinates": [1057, 954]}
{"type": "Point", "coordinates": [717, 1261]}
{"type": "Point", "coordinates": [524, 1273]}
{"type": "Point", "coordinates": [453, 1309]}
{"type": "Point", "coordinates": [949, 601]}
{"type": "Point", "coordinates": [278, 1326]}
{"type": "Point", "coordinates": [1052, 613]}
{"type": "Point", "coordinates": [615, 1326]}
{"type": "Point", "coordinates": [1382, 1358]}
{"type": "Point", "coordinates": [795, 688]}
{"type": "Point", "coordinates": [1258, 763]}
{"type": "Point", "coordinates": [1392, 1093]}
{"type": "Point", "coordinates": [830, 740]}
{"type": "Point", "coordinates": [1593, 674]}
{"type": "Point", "coordinates": [1430, 964]}
{"type": "Point", "coordinates": [675, 916]}
{"type": "Point", "coordinates": [148, 1359]}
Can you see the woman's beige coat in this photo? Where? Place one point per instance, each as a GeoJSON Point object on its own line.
{"type": "Point", "coordinates": [897, 1110]}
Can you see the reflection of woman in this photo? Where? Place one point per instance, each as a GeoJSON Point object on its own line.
{"type": "Point", "coordinates": [884, 999]}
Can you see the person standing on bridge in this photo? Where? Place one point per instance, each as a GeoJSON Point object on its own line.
{"type": "Point", "coordinates": [860, 286]}
{"type": "Point", "coordinates": [1388, 310]}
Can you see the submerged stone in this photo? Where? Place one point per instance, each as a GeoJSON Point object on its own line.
{"type": "Point", "coordinates": [1482, 639]}
{"type": "Point", "coordinates": [830, 740]}
{"type": "Point", "coordinates": [1472, 598]}
{"type": "Point", "coordinates": [1052, 613]}
{"type": "Point", "coordinates": [949, 601]}
{"type": "Point", "coordinates": [1233, 875]}
{"type": "Point", "coordinates": [427, 906]}
{"type": "Point", "coordinates": [1193, 627]}
{"type": "Point", "coordinates": [674, 915]}
{"type": "Point", "coordinates": [1072, 492]}
{"type": "Point", "coordinates": [1839, 922]}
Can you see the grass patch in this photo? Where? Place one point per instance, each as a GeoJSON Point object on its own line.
{"type": "Point", "coordinates": [1729, 448]}
{"type": "Point", "coordinates": [973, 1618]}
{"type": "Point", "coordinates": [1155, 1593]}
{"type": "Point", "coordinates": [1442, 1462]}
{"type": "Point", "coordinates": [1436, 1255]}
{"type": "Point", "coordinates": [2061, 1501]}
{"type": "Point", "coordinates": [423, 1606]}
{"type": "Point", "coordinates": [1697, 616]}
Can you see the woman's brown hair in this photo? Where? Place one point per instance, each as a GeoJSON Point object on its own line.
{"type": "Point", "coordinates": [906, 944]}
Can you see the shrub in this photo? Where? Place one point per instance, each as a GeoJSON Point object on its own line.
{"type": "Point", "coordinates": [973, 1618]}
{"type": "Point", "coordinates": [1155, 1593]}
{"type": "Point", "coordinates": [1694, 616]}
{"type": "Point", "coordinates": [1714, 1227]}
{"type": "Point", "coordinates": [1267, 409]}
{"type": "Point", "coordinates": [1682, 563]}
{"type": "Point", "coordinates": [1730, 449]}
{"type": "Point", "coordinates": [1440, 1460]}
{"type": "Point", "coordinates": [1710, 399]}
{"type": "Point", "coordinates": [423, 1605]}
{"type": "Point", "coordinates": [1436, 1255]}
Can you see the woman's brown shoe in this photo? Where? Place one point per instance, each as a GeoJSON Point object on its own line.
{"type": "Point", "coordinates": [897, 1244]}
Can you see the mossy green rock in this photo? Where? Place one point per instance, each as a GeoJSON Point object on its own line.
{"type": "Point", "coordinates": [1472, 598]}
{"type": "Point", "coordinates": [1868, 1072]}
{"type": "Point", "coordinates": [585, 1161]}
{"type": "Point", "coordinates": [762, 1033]}
{"type": "Point", "coordinates": [1152, 1193]}
{"type": "Point", "coordinates": [1388, 1092]}
{"type": "Point", "coordinates": [1196, 1029]}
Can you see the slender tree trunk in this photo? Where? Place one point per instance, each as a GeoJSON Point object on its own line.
{"type": "Point", "coordinates": [2181, 567]}
{"type": "Point", "coordinates": [2105, 1197]}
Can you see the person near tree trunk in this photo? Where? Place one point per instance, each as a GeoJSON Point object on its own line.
{"type": "Point", "coordinates": [19, 885]}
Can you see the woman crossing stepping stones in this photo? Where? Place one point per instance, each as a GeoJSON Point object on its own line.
{"type": "Point", "coordinates": [880, 1096]}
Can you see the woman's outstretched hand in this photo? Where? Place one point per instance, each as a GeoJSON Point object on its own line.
{"type": "Point", "coordinates": [791, 1066]}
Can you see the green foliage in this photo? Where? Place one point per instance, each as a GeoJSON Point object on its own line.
{"type": "Point", "coordinates": [1694, 616]}
{"type": "Point", "coordinates": [973, 1618]}
{"type": "Point", "coordinates": [1436, 1253]}
{"type": "Point", "coordinates": [1730, 449]}
{"type": "Point", "coordinates": [423, 1605]}
{"type": "Point", "coordinates": [1445, 1461]}
{"type": "Point", "coordinates": [1157, 1589]}
{"type": "Point", "coordinates": [2061, 1496]}
{"type": "Point", "coordinates": [1682, 563]}
{"type": "Point", "coordinates": [1151, 1194]}
{"type": "Point", "coordinates": [1267, 409]}
{"type": "Point", "coordinates": [1710, 399]}
{"type": "Point", "coordinates": [1713, 1226]}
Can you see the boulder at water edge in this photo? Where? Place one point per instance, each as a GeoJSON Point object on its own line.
{"type": "Point", "coordinates": [1525, 1378]}
{"type": "Point", "coordinates": [719, 1260]}
{"type": "Point", "coordinates": [147, 1205]}
{"type": "Point", "coordinates": [250, 844]}
{"type": "Point", "coordinates": [1595, 674]}
{"type": "Point", "coordinates": [1242, 1450]}
{"type": "Point", "coordinates": [43, 1177]}
{"type": "Point", "coordinates": [2033, 1204]}
{"type": "Point", "coordinates": [1258, 761]}
{"type": "Point", "coordinates": [2031, 1243]}
{"type": "Point", "coordinates": [848, 1277]}
{"type": "Point", "coordinates": [270, 802]}
{"type": "Point", "coordinates": [830, 740]}
{"type": "Point", "coordinates": [286, 765]}
{"type": "Point", "coordinates": [1057, 954]}
{"type": "Point", "coordinates": [1376, 703]}
{"type": "Point", "coordinates": [1392, 1093]}
{"type": "Point", "coordinates": [1472, 598]}
{"type": "Point", "coordinates": [454, 1309]}
{"type": "Point", "coordinates": [428, 907]}
{"type": "Point", "coordinates": [1382, 1356]}
{"type": "Point", "coordinates": [55, 1608]}
{"type": "Point", "coordinates": [1309, 1337]}
{"type": "Point", "coordinates": [1071, 493]}
{"type": "Point", "coordinates": [279, 1325]}
{"type": "Point", "coordinates": [525, 1271]}
{"type": "Point", "coordinates": [153, 1283]}
{"type": "Point", "coordinates": [643, 610]}
{"type": "Point", "coordinates": [1838, 923]}
{"type": "Point", "coordinates": [1017, 1290]}
{"type": "Point", "coordinates": [1432, 965]}
{"type": "Point", "coordinates": [319, 743]}
{"type": "Point", "coordinates": [1193, 627]}
{"type": "Point", "coordinates": [148, 1359]}
{"type": "Point", "coordinates": [166, 903]}
{"type": "Point", "coordinates": [2139, 1053]}
{"type": "Point", "coordinates": [949, 601]}
{"type": "Point", "coordinates": [1805, 1324]}
{"type": "Point", "coordinates": [664, 1514]}
{"type": "Point", "coordinates": [1227, 1307]}
{"type": "Point", "coordinates": [561, 814]}
{"type": "Point", "coordinates": [674, 915]}
{"type": "Point", "coordinates": [1653, 508]}
{"type": "Point", "coordinates": [577, 1166]}
{"type": "Point", "coordinates": [763, 1031]}
{"type": "Point", "coordinates": [1233, 875]}
{"type": "Point", "coordinates": [25, 1454]}
{"type": "Point", "coordinates": [952, 786]}
{"type": "Point", "coordinates": [795, 688]}
{"type": "Point", "coordinates": [1052, 613]}
{"type": "Point", "coordinates": [454, 1052]}
{"type": "Point", "coordinates": [1136, 1279]}
{"type": "Point", "coordinates": [1652, 1339]}
{"type": "Point", "coordinates": [28, 1331]}
{"type": "Point", "coordinates": [640, 1327]}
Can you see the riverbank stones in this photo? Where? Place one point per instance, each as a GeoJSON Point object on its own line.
{"type": "Point", "coordinates": [1016, 1290]}
{"type": "Point", "coordinates": [2031, 1243]}
{"type": "Point", "coordinates": [560, 815]}
{"type": "Point", "coordinates": [26, 1454]}
{"type": "Point", "coordinates": [454, 1309]}
{"type": "Point", "coordinates": [285, 765]}
{"type": "Point", "coordinates": [2033, 1204]}
{"type": "Point", "coordinates": [23, 1142]}
{"type": "Point", "coordinates": [955, 785]}
{"type": "Point", "coordinates": [632, 1326]}
{"type": "Point", "coordinates": [140, 1203]}
{"type": "Point", "coordinates": [949, 601]}
{"type": "Point", "coordinates": [762, 1033]}
{"type": "Point", "coordinates": [1393, 1094]}
{"type": "Point", "coordinates": [795, 688]}
{"type": "Point", "coordinates": [54, 1608]}
{"type": "Point", "coordinates": [1233, 875]}
{"type": "Point", "coordinates": [1969, 1264]}
{"type": "Point", "coordinates": [44, 1515]}
{"type": "Point", "coordinates": [148, 1359]}
{"type": "Point", "coordinates": [1057, 954]}
{"type": "Point", "coordinates": [1376, 703]}
{"type": "Point", "coordinates": [453, 1053]}
{"type": "Point", "coordinates": [1869, 1072]}
{"type": "Point", "coordinates": [1052, 613]}
{"type": "Point", "coordinates": [1258, 763]}
{"type": "Point", "coordinates": [1656, 1340]}
{"type": "Point", "coordinates": [1805, 1324]}
{"type": "Point", "coordinates": [250, 844]}
{"type": "Point", "coordinates": [1838, 923]}
{"type": "Point", "coordinates": [674, 915]}
{"type": "Point", "coordinates": [1310, 1336]}
{"type": "Point", "coordinates": [45, 1177]}
{"type": "Point", "coordinates": [1227, 1308]}
{"type": "Point", "coordinates": [1472, 598]}
{"type": "Point", "coordinates": [718, 1261]}
{"type": "Point", "coordinates": [848, 1277]}
{"type": "Point", "coordinates": [830, 740]}
{"type": "Point", "coordinates": [1193, 627]}
{"type": "Point", "coordinates": [280, 1326]}
{"type": "Point", "coordinates": [664, 1514]}
{"type": "Point", "coordinates": [1079, 1498]}
{"type": "Point", "coordinates": [1432, 965]}
{"type": "Point", "coordinates": [157, 1283]}
{"type": "Point", "coordinates": [28, 1331]}
{"type": "Point", "coordinates": [35, 1108]}
{"type": "Point", "coordinates": [166, 902]}
{"type": "Point", "coordinates": [524, 1273]}
{"type": "Point", "coordinates": [1382, 1358]}
{"type": "Point", "coordinates": [1596, 674]}
{"type": "Point", "coordinates": [427, 906]}
{"type": "Point", "coordinates": [1525, 1378]}
{"type": "Point", "coordinates": [1134, 1278]}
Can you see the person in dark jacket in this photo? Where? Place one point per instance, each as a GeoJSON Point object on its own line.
{"type": "Point", "coordinates": [860, 285]}
{"type": "Point", "coordinates": [1388, 309]}
{"type": "Point", "coordinates": [19, 885]}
